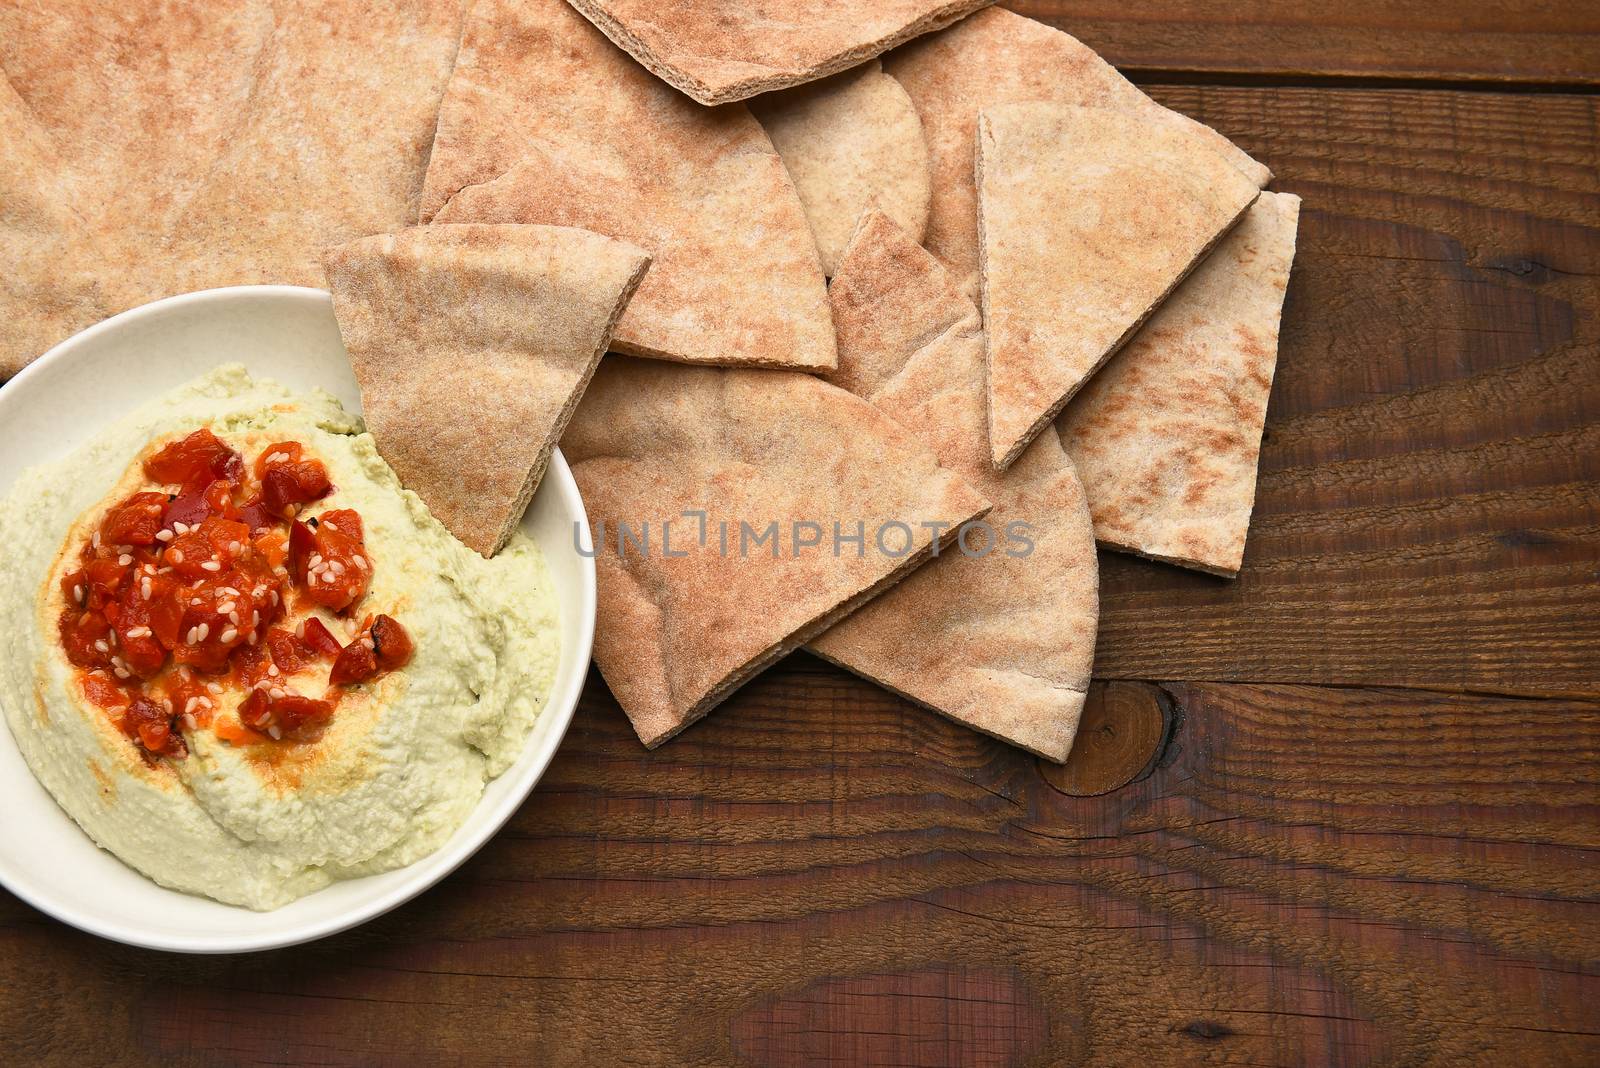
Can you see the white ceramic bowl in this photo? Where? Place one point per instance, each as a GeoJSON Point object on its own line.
{"type": "Point", "coordinates": [289, 334]}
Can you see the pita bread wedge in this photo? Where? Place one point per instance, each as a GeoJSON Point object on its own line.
{"type": "Point", "coordinates": [1088, 218]}
{"type": "Point", "coordinates": [715, 496]}
{"type": "Point", "coordinates": [850, 142]}
{"type": "Point", "coordinates": [996, 57]}
{"type": "Point", "coordinates": [723, 51]}
{"type": "Point", "coordinates": [50, 285]}
{"type": "Point", "coordinates": [472, 345]}
{"type": "Point", "coordinates": [200, 143]}
{"type": "Point", "coordinates": [1003, 642]}
{"type": "Point", "coordinates": [1167, 435]}
{"type": "Point", "coordinates": [546, 122]}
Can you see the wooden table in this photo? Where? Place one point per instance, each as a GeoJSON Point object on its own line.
{"type": "Point", "coordinates": [1343, 809]}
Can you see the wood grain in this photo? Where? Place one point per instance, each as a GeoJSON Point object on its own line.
{"type": "Point", "coordinates": [1530, 42]}
{"type": "Point", "coordinates": [1428, 511]}
{"type": "Point", "coordinates": [823, 874]}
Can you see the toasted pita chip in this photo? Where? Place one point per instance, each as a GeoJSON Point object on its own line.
{"type": "Point", "coordinates": [472, 345]}
{"type": "Point", "coordinates": [996, 57]}
{"type": "Point", "coordinates": [1088, 219]}
{"type": "Point", "coordinates": [721, 52]}
{"type": "Point", "coordinates": [1167, 435]}
{"type": "Point", "coordinates": [850, 142]}
{"type": "Point", "coordinates": [739, 462]}
{"type": "Point", "coordinates": [197, 143]}
{"type": "Point", "coordinates": [1003, 642]}
{"type": "Point", "coordinates": [546, 122]}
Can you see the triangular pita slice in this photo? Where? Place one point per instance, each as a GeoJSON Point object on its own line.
{"type": "Point", "coordinates": [1167, 435]}
{"type": "Point", "coordinates": [545, 121]}
{"type": "Point", "coordinates": [996, 57]}
{"type": "Point", "coordinates": [850, 142]}
{"type": "Point", "coordinates": [720, 52]}
{"type": "Point", "coordinates": [1003, 642]}
{"type": "Point", "coordinates": [193, 144]}
{"type": "Point", "coordinates": [1088, 218]}
{"type": "Point", "coordinates": [472, 345]}
{"type": "Point", "coordinates": [727, 456]}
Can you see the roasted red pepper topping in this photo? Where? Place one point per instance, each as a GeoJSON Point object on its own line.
{"type": "Point", "coordinates": [184, 591]}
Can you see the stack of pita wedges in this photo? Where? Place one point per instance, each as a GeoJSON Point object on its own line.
{"type": "Point", "coordinates": [1052, 318]}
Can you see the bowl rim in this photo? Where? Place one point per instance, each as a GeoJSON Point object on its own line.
{"type": "Point", "coordinates": [562, 702]}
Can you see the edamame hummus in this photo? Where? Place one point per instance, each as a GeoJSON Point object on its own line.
{"type": "Point", "coordinates": [246, 660]}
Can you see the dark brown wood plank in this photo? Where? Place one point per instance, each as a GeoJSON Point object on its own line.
{"type": "Point", "coordinates": [1529, 42]}
{"type": "Point", "coordinates": [822, 874]}
{"type": "Point", "coordinates": [1429, 499]}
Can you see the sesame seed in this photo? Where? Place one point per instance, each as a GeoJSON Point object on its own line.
{"type": "Point", "coordinates": [188, 706]}
{"type": "Point", "coordinates": [214, 688]}
{"type": "Point", "coordinates": [234, 547]}
{"type": "Point", "coordinates": [77, 593]}
{"type": "Point", "coordinates": [175, 555]}
{"type": "Point", "coordinates": [371, 646]}
{"type": "Point", "coordinates": [189, 721]}
{"type": "Point", "coordinates": [272, 669]}
{"type": "Point", "coordinates": [277, 735]}
{"type": "Point", "coordinates": [144, 589]}
{"type": "Point", "coordinates": [316, 560]}
{"type": "Point", "coordinates": [202, 630]}
{"type": "Point", "coordinates": [193, 636]}
{"type": "Point", "coordinates": [121, 673]}
{"type": "Point", "coordinates": [228, 635]}
{"type": "Point", "coordinates": [102, 646]}
{"type": "Point", "coordinates": [124, 560]}
{"type": "Point", "coordinates": [181, 527]}
{"type": "Point", "coordinates": [336, 567]}
{"type": "Point", "coordinates": [253, 639]}
{"type": "Point", "coordinates": [359, 560]}
{"type": "Point", "coordinates": [138, 632]}
{"type": "Point", "coordinates": [164, 535]}
{"type": "Point", "coordinates": [233, 617]}
{"type": "Point", "coordinates": [277, 693]}
{"type": "Point", "coordinates": [225, 607]}
{"type": "Point", "coordinates": [96, 539]}
{"type": "Point", "coordinates": [211, 565]}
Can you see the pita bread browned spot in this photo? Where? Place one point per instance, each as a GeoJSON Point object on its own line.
{"type": "Point", "coordinates": [850, 142]}
{"type": "Point", "coordinates": [721, 52]}
{"type": "Point", "coordinates": [197, 144]}
{"type": "Point", "coordinates": [1087, 218]}
{"type": "Point", "coordinates": [728, 456]}
{"type": "Point", "coordinates": [1167, 435]}
{"type": "Point", "coordinates": [546, 122]}
{"type": "Point", "coordinates": [996, 57]}
{"type": "Point", "coordinates": [472, 345]}
{"type": "Point", "coordinates": [1003, 643]}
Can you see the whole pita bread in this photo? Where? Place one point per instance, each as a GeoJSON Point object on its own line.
{"type": "Point", "coordinates": [850, 142]}
{"type": "Point", "coordinates": [472, 345]}
{"type": "Point", "coordinates": [996, 57]}
{"type": "Point", "coordinates": [706, 606]}
{"type": "Point", "coordinates": [546, 122]}
{"type": "Point", "coordinates": [720, 51]}
{"type": "Point", "coordinates": [1003, 643]}
{"type": "Point", "coordinates": [200, 143]}
{"type": "Point", "coordinates": [1088, 218]}
{"type": "Point", "coordinates": [1167, 435]}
